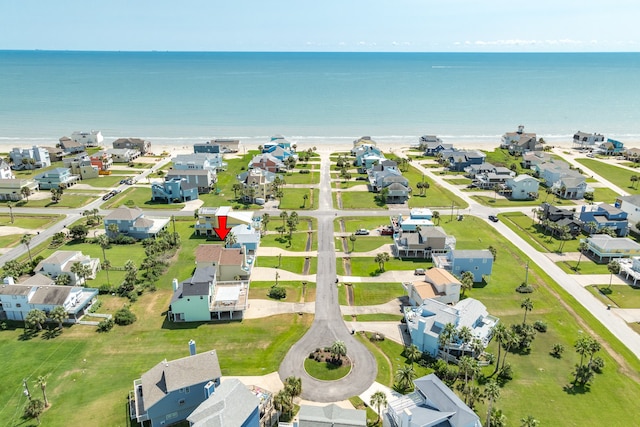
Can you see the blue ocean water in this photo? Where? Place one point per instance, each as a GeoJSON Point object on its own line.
{"type": "Point", "coordinates": [169, 96]}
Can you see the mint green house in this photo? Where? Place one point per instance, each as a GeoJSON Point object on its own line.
{"type": "Point", "coordinates": [192, 298]}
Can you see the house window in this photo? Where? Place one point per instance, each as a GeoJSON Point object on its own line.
{"type": "Point", "coordinates": [476, 267]}
{"type": "Point", "coordinates": [187, 389]}
{"type": "Point", "coordinates": [181, 402]}
{"type": "Point", "coordinates": [18, 305]}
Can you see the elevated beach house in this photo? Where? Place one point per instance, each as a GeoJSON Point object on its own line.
{"type": "Point", "coordinates": [123, 155]}
{"type": "Point", "coordinates": [56, 178]}
{"type": "Point", "coordinates": [69, 146]}
{"type": "Point", "coordinates": [431, 404]}
{"type": "Point", "coordinates": [29, 158]}
{"type": "Point", "coordinates": [604, 248]}
{"type": "Point", "coordinates": [141, 145]}
{"type": "Point", "coordinates": [170, 391]}
{"type": "Point", "coordinates": [519, 141]}
{"type": "Point", "coordinates": [424, 243]}
{"type": "Point", "coordinates": [437, 284]}
{"type": "Point", "coordinates": [174, 190]}
{"type": "Point", "coordinates": [478, 262]}
{"type": "Point", "coordinates": [603, 216]}
{"type": "Point", "coordinates": [132, 222]}
{"type": "Point", "coordinates": [522, 187]}
{"type": "Point", "coordinates": [331, 415]}
{"type": "Point", "coordinates": [11, 189]}
{"type": "Point", "coordinates": [40, 292]}
{"type": "Point", "coordinates": [631, 205]}
{"type": "Point", "coordinates": [209, 219]}
{"type": "Point", "coordinates": [92, 138]}
{"type": "Point", "coordinates": [82, 166]}
{"type": "Point", "coordinates": [217, 145]}
{"type": "Point", "coordinates": [588, 141]}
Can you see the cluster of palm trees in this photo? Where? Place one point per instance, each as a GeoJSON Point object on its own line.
{"type": "Point", "coordinates": [463, 336]}
{"type": "Point", "coordinates": [283, 401]}
{"type": "Point", "coordinates": [289, 223]}
{"type": "Point", "coordinates": [381, 259]}
{"type": "Point", "coordinates": [587, 347]}
{"type": "Point", "coordinates": [56, 194]}
{"type": "Point", "coordinates": [35, 407]}
{"type": "Point", "coordinates": [36, 318]}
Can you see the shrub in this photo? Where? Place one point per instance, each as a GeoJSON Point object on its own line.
{"type": "Point", "coordinates": [540, 326]}
{"type": "Point", "coordinates": [124, 316]}
{"type": "Point", "coordinates": [557, 350]}
{"type": "Point", "coordinates": [506, 373]}
{"type": "Point", "coordinates": [105, 326]}
{"type": "Point", "coordinates": [597, 364]}
{"type": "Point", "coordinates": [311, 356]}
{"type": "Point", "coordinates": [105, 289]}
{"type": "Point", "coordinates": [305, 171]}
{"type": "Point", "coordinates": [95, 306]}
{"type": "Point", "coordinates": [277, 292]}
{"type": "Point", "coordinates": [524, 289]}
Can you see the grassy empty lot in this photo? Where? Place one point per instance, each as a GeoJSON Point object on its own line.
{"type": "Point", "coordinates": [140, 197]}
{"type": "Point", "coordinates": [351, 224]}
{"type": "Point", "coordinates": [616, 175]}
{"type": "Point", "coordinates": [536, 235]}
{"type": "Point", "coordinates": [623, 296]}
{"type": "Point", "coordinates": [260, 290]}
{"type": "Point", "coordinates": [298, 241]}
{"type": "Point", "coordinates": [357, 200]}
{"type": "Point", "coordinates": [367, 267]}
{"type": "Point", "coordinates": [294, 199]}
{"type": "Point", "coordinates": [364, 243]}
{"type": "Point", "coordinates": [292, 264]}
{"type": "Point", "coordinates": [370, 293]}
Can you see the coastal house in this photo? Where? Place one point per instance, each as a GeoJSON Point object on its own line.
{"type": "Point", "coordinates": [268, 163]}
{"type": "Point", "coordinates": [479, 262]}
{"type": "Point", "coordinates": [519, 141]}
{"type": "Point", "coordinates": [56, 154]}
{"type": "Point", "coordinates": [170, 391]}
{"type": "Point", "coordinates": [565, 182]}
{"type": "Point", "coordinates": [366, 156]}
{"type": "Point", "coordinates": [418, 218]}
{"type": "Point", "coordinates": [432, 145]}
{"type": "Point", "coordinates": [174, 190]}
{"type": "Point", "coordinates": [202, 179]}
{"type": "Point", "coordinates": [438, 284]}
{"type": "Point", "coordinates": [132, 222]}
{"type": "Point", "coordinates": [331, 415]}
{"type": "Point", "coordinates": [103, 161]}
{"type": "Point", "coordinates": [199, 161]}
{"type": "Point", "coordinates": [82, 166]}
{"type": "Point", "coordinates": [431, 404]}
{"type": "Point", "coordinates": [559, 218]}
{"type": "Point", "coordinates": [588, 141]}
{"type": "Point", "coordinates": [209, 219]}
{"type": "Point", "coordinates": [218, 145]}
{"type": "Point", "coordinates": [230, 263]}
{"type": "Point", "coordinates": [604, 248]}
{"type": "Point", "coordinates": [611, 148]}
{"type": "Point", "coordinates": [232, 404]}
{"type": "Point", "coordinates": [497, 176]}
{"type": "Point", "coordinates": [522, 187]}
{"type": "Point", "coordinates": [460, 159]}
{"type": "Point", "coordinates": [631, 205]}
{"type": "Point", "coordinates": [56, 178]}
{"type": "Point", "coordinates": [426, 321]}
{"type": "Point", "coordinates": [281, 153]}
{"type": "Point", "coordinates": [141, 145]}
{"type": "Point", "coordinates": [632, 154]}
{"type": "Point", "coordinates": [472, 171]}
{"type": "Point", "coordinates": [257, 183]}
{"type": "Point", "coordinates": [604, 216]}
{"type": "Point", "coordinates": [277, 141]}
{"type": "Point", "coordinates": [5, 170]}
{"type": "Point", "coordinates": [92, 138]}
{"type": "Point", "coordinates": [531, 158]}
{"type": "Point", "coordinates": [363, 140]}
{"type": "Point", "coordinates": [424, 243]}
{"type": "Point", "coordinates": [11, 189]}
{"type": "Point", "coordinates": [123, 155]}
{"type": "Point", "coordinates": [69, 146]}
{"type": "Point", "coordinates": [389, 177]}
{"type": "Point", "coordinates": [39, 292]}
{"type": "Point", "coordinates": [62, 262]}
{"type": "Point", "coordinates": [29, 158]}
{"type": "Point", "coordinates": [630, 268]}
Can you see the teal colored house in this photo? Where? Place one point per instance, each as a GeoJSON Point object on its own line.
{"type": "Point", "coordinates": [56, 178]}
{"type": "Point", "coordinates": [170, 391]}
{"type": "Point", "coordinates": [478, 262]}
{"type": "Point", "coordinates": [175, 189]}
{"type": "Point", "coordinates": [192, 297]}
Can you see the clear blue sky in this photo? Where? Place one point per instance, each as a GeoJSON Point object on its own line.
{"type": "Point", "coordinates": [322, 25]}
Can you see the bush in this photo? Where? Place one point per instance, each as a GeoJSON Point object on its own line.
{"type": "Point", "coordinates": [105, 289]}
{"type": "Point", "coordinates": [506, 373]}
{"type": "Point", "coordinates": [597, 365]}
{"type": "Point", "coordinates": [305, 171]}
{"type": "Point", "coordinates": [524, 289]}
{"type": "Point", "coordinates": [557, 350]}
{"type": "Point", "coordinates": [124, 316]}
{"type": "Point", "coordinates": [105, 326]}
{"type": "Point", "coordinates": [95, 306]}
{"type": "Point", "coordinates": [540, 326]}
{"type": "Point", "coordinates": [277, 292]}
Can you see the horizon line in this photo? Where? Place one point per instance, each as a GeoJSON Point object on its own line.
{"type": "Point", "coordinates": [315, 51]}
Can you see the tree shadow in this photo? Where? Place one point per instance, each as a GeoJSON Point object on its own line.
{"type": "Point", "coordinates": [576, 389]}
{"type": "Point", "coordinates": [51, 333]}
{"type": "Point", "coordinates": [28, 334]}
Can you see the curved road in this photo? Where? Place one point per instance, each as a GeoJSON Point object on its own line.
{"type": "Point", "coordinates": [328, 325]}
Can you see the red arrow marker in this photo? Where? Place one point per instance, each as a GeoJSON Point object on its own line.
{"type": "Point", "coordinates": [222, 230]}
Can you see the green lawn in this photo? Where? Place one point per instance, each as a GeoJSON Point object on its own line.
{"type": "Point", "coordinates": [604, 194]}
{"type": "Point", "coordinates": [294, 199]}
{"type": "Point", "coordinates": [623, 296]}
{"type": "Point", "coordinates": [298, 241]}
{"type": "Point", "coordinates": [296, 177]}
{"type": "Point", "coordinates": [357, 200]}
{"type": "Point", "coordinates": [29, 221]}
{"type": "Point", "coordinates": [324, 370]}
{"type": "Point", "coordinates": [364, 243]}
{"type": "Point", "coordinates": [458, 181]}
{"type": "Point", "coordinates": [501, 157]}
{"type": "Point", "coordinates": [347, 184]}
{"type": "Point", "coordinates": [586, 266]}
{"type": "Point", "coordinates": [376, 317]}
{"type": "Point", "coordinates": [140, 197]}
{"type": "Point", "coordinates": [535, 234]}
{"type": "Point", "coordinates": [351, 224]}
{"type": "Point", "coordinates": [616, 175]}
{"type": "Point", "coordinates": [366, 266]}
{"type": "Point", "coordinates": [303, 223]}
{"type": "Point", "coordinates": [501, 202]}
{"type": "Point", "coordinates": [259, 290]}
{"type": "Point", "coordinates": [69, 200]}
{"type": "Point", "coordinates": [370, 293]}
{"type": "Point", "coordinates": [292, 264]}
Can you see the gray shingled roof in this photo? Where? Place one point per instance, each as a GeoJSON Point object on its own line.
{"type": "Point", "coordinates": [312, 416]}
{"type": "Point", "coordinates": [124, 213]}
{"type": "Point", "coordinates": [230, 405]}
{"type": "Point", "coordinates": [444, 401]}
{"type": "Point", "coordinates": [50, 295]}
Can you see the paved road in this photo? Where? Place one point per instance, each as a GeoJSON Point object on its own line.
{"type": "Point", "coordinates": [328, 325]}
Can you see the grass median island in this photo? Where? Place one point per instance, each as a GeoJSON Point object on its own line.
{"type": "Point", "coordinates": [323, 366]}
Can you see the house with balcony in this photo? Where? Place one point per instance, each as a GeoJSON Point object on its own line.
{"type": "Point", "coordinates": [202, 179]}
{"type": "Point", "coordinates": [30, 158]}
{"type": "Point", "coordinates": [82, 166]}
{"type": "Point", "coordinates": [432, 145]}
{"type": "Point", "coordinates": [217, 145]}
{"type": "Point", "coordinates": [141, 145]}
{"type": "Point", "coordinates": [611, 148]}
{"type": "Point", "coordinates": [69, 146]}
{"type": "Point", "coordinates": [5, 170]}
{"type": "Point", "coordinates": [123, 155]}
{"type": "Point", "coordinates": [363, 140]}
{"type": "Point", "coordinates": [103, 161]}
{"type": "Point", "coordinates": [604, 248]}
{"type": "Point", "coordinates": [604, 216]}
{"type": "Point", "coordinates": [522, 187]}
{"type": "Point", "coordinates": [56, 178]}
{"type": "Point", "coordinates": [472, 171]}
{"type": "Point", "coordinates": [11, 189]}
{"type": "Point", "coordinates": [277, 141]}
{"type": "Point", "coordinates": [587, 141]}
{"type": "Point", "coordinates": [431, 404]}
{"type": "Point", "coordinates": [631, 205]}
{"type": "Point", "coordinates": [497, 176]}
{"type": "Point", "coordinates": [424, 243]}
{"type": "Point", "coordinates": [418, 218]}
{"type": "Point", "coordinates": [209, 219]}
{"type": "Point", "coordinates": [199, 161]}
{"type": "Point", "coordinates": [478, 262]}
{"type": "Point", "coordinates": [460, 159]}
{"type": "Point", "coordinates": [171, 390]}
{"type": "Point", "coordinates": [560, 218]}
{"type": "Point", "coordinates": [174, 190]}
{"type": "Point", "coordinates": [511, 140]}
{"type": "Point", "coordinates": [62, 262]}
{"type": "Point", "coordinates": [281, 153]}
{"type": "Point", "coordinates": [268, 163]}
{"type": "Point", "coordinates": [132, 222]}
{"type": "Point", "coordinates": [438, 284]}
{"type": "Point", "coordinates": [55, 154]}
{"type": "Point", "coordinates": [565, 182]}
{"type": "Point", "coordinates": [230, 263]}
{"type": "Point", "coordinates": [232, 404]}
{"type": "Point", "coordinates": [389, 177]}
{"type": "Point", "coordinates": [257, 183]}
{"type": "Point", "coordinates": [40, 292]}
{"type": "Point", "coordinates": [367, 156]}
{"type": "Point", "coordinates": [531, 158]}
{"type": "Point", "coordinates": [632, 154]}
{"type": "Point", "coordinates": [426, 321]}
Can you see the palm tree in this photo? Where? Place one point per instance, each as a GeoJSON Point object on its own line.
{"type": "Point", "coordinates": [113, 230]}
{"type": "Point", "coordinates": [465, 335]}
{"type": "Point", "coordinates": [592, 226]}
{"type": "Point", "coordinates": [527, 304]}
{"type": "Point", "coordinates": [236, 187]}
{"type": "Point", "coordinates": [103, 241]}
{"type": "Point", "coordinates": [498, 419]}
{"type": "Point", "coordinates": [500, 334]}
{"type": "Point", "coordinates": [26, 192]}
{"type": "Point", "coordinates": [284, 216]}
{"type": "Point", "coordinates": [265, 221]}
{"type": "Point", "coordinates": [582, 247]}
{"type": "Point", "coordinates": [353, 239]}
{"type": "Point", "coordinates": [468, 365]}
{"type": "Point", "coordinates": [614, 268]}
{"type": "Point", "coordinates": [230, 240]}
{"type": "Point", "coordinates": [338, 350]}
{"type": "Point", "coordinates": [405, 376]}
{"type": "Point", "coordinates": [583, 347]}
{"type": "Point", "coordinates": [529, 421]}
{"type": "Point", "coordinates": [634, 180]}
{"type": "Point", "coordinates": [436, 216]}
{"type": "Point", "coordinates": [58, 314]}
{"type": "Point", "coordinates": [79, 270]}
{"type": "Point", "coordinates": [378, 400]}
{"type": "Point", "coordinates": [35, 318]}
{"type": "Point", "coordinates": [496, 190]}
{"type": "Point", "coordinates": [282, 402]}
{"type": "Point", "coordinates": [305, 197]}
{"type": "Point", "coordinates": [293, 387]}
{"type": "Point", "coordinates": [26, 240]}
{"type": "Point", "coordinates": [448, 334]}
{"type": "Point", "coordinates": [63, 279]}
{"type": "Point", "coordinates": [41, 381]}
{"type": "Point", "coordinates": [492, 392]}
{"type": "Point", "coordinates": [466, 282]}
{"type": "Point", "coordinates": [381, 258]}
{"type": "Point", "coordinates": [412, 353]}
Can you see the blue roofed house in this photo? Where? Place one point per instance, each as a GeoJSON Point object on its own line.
{"type": "Point", "coordinates": [217, 145]}
{"type": "Point", "coordinates": [611, 148]}
{"type": "Point", "coordinates": [604, 216]}
{"type": "Point", "coordinates": [426, 322]}
{"type": "Point", "coordinates": [431, 404]}
{"type": "Point", "coordinates": [56, 178]}
{"type": "Point", "coordinates": [418, 217]}
{"type": "Point", "coordinates": [170, 391]}
{"type": "Point", "coordinates": [523, 187]}
{"type": "Point", "coordinates": [132, 222]}
{"type": "Point", "coordinates": [281, 153]}
{"type": "Point", "coordinates": [232, 404]}
{"type": "Point", "coordinates": [175, 189]}
{"type": "Point", "coordinates": [479, 262]}
{"type": "Point", "coordinates": [460, 159]}
{"type": "Point", "coordinates": [367, 156]}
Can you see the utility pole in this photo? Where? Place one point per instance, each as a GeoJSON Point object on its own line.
{"type": "Point", "coordinates": [26, 389]}
{"type": "Point", "coordinates": [452, 205]}
{"type": "Point", "coordinates": [526, 274]}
